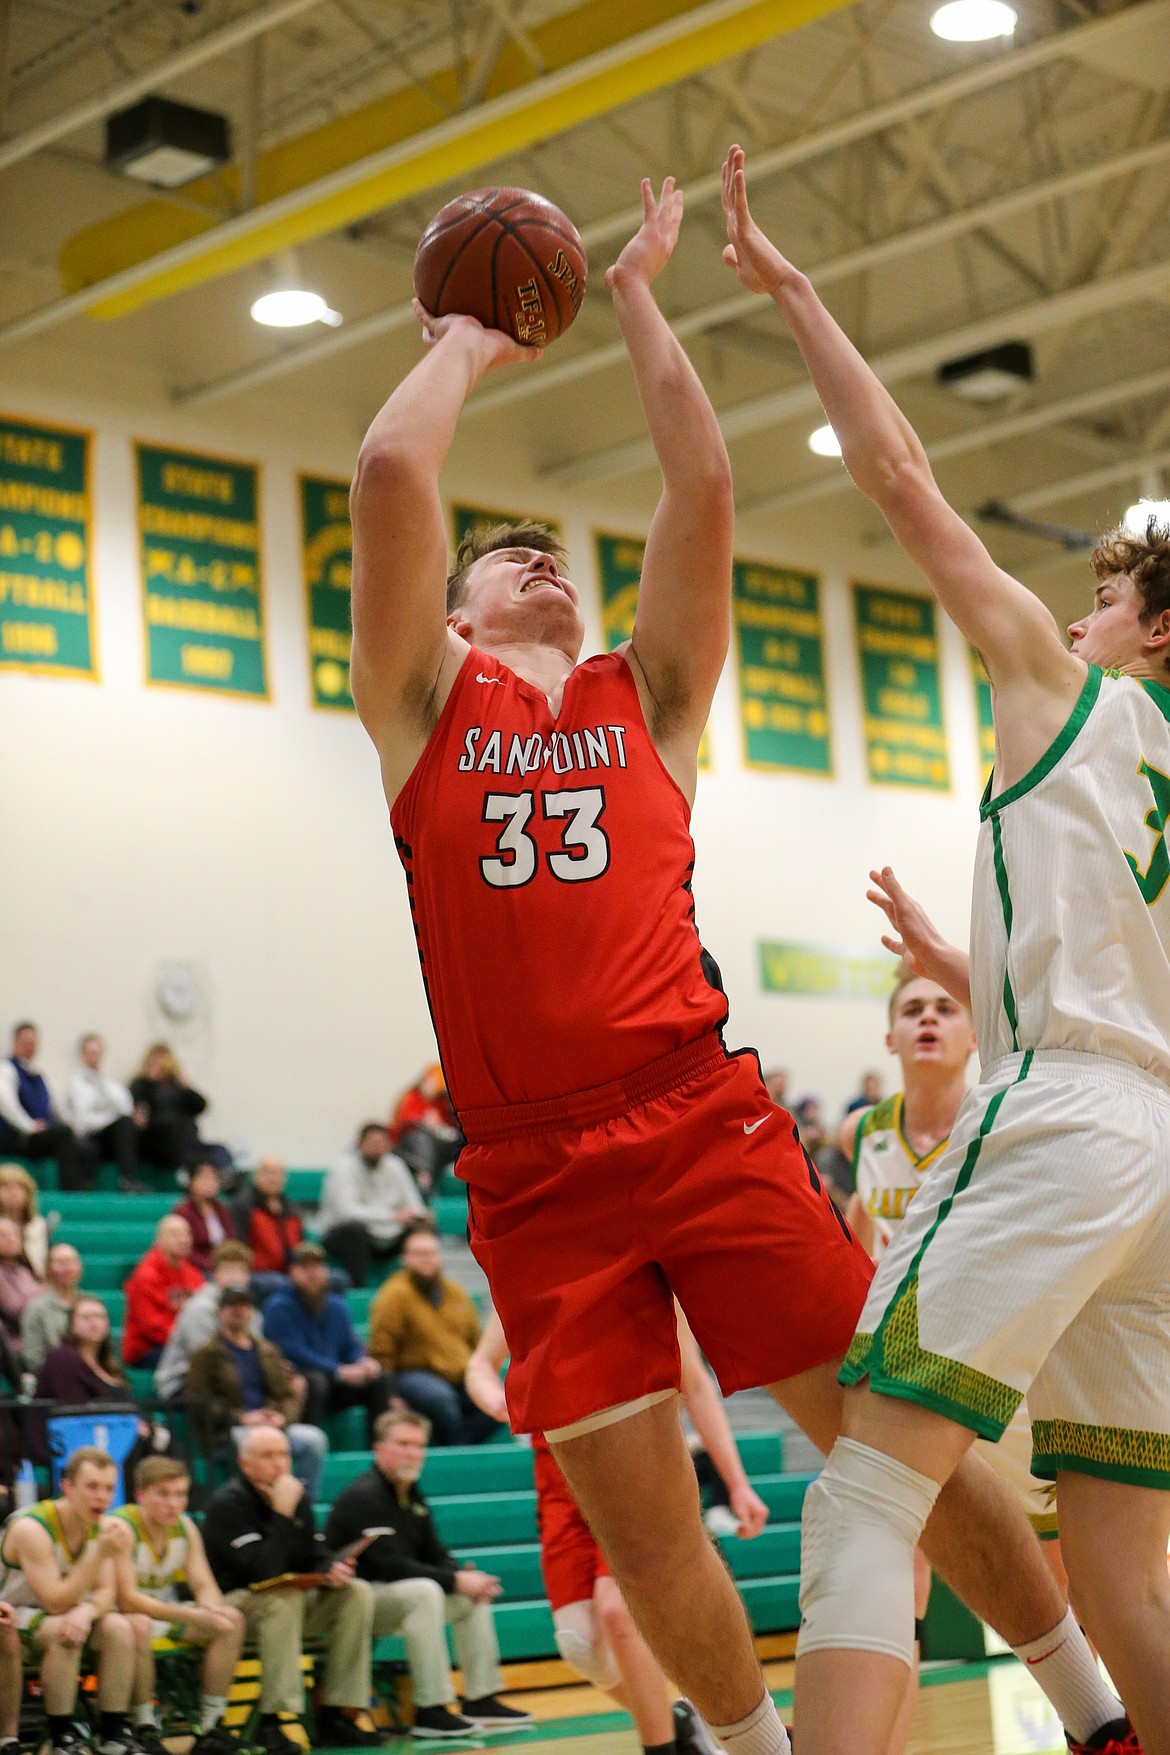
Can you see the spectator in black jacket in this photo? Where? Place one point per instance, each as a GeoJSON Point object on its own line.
{"type": "Point", "coordinates": [261, 1526]}
{"type": "Point", "coordinates": [419, 1587]}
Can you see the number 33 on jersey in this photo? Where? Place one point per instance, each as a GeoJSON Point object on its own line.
{"type": "Point", "coordinates": [560, 845]}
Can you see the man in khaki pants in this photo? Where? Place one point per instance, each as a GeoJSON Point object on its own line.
{"type": "Point", "coordinates": [259, 1527]}
{"type": "Point", "coordinates": [420, 1588]}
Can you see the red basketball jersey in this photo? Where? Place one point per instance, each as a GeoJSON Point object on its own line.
{"type": "Point", "coordinates": [548, 864]}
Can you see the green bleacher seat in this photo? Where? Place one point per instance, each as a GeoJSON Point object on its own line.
{"type": "Point", "coordinates": [450, 1211]}
{"type": "Point", "coordinates": [92, 1205]}
{"type": "Point", "coordinates": [107, 1273]}
{"type": "Point", "coordinates": [505, 1467]}
{"type": "Point", "coordinates": [305, 1186]}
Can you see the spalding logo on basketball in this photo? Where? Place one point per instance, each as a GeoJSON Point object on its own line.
{"type": "Point", "coordinates": [507, 257]}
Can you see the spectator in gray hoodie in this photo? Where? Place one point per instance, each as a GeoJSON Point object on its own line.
{"type": "Point", "coordinates": [369, 1205]}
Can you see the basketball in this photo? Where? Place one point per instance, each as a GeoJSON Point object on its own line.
{"type": "Point", "coordinates": [507, 257]}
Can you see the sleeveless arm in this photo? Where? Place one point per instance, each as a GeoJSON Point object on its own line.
{"type": "Point", "coordinates": [682, 624]}
{"type": "Point", "coordinates": [1016, 635]}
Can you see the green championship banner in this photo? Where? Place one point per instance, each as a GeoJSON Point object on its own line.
{"type": "Point", "coordinates": [465, 518]}
{"type": "Point", "coordinates": [201, 580]}
{"type": "Point", "coordinates": [905, 740]}
{"type": "Point", "coordinates": [46, 596]}
{"type": "Point", "coordinates": [824, 973]}
{"type": "Point", "coordinates": [783, 699]}
{"type": "Point", "coordinates": [619, 569]}
{"type": "Point", "coordinates": [327, 562]}
{"type": "Point", "coordinates": [984, 716]}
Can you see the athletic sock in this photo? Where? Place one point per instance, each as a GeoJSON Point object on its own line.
{"type": "Point", "coordinates": [214, 1707]}
{"type": "Point", "coordinates": [760, 1733]}
{"type": "Point", "coordinates": [144, 1714]}
{"type": "Point", "coordinates": [1067, 1671]}
{"type": "Point", "coordinates": [670, 1748]}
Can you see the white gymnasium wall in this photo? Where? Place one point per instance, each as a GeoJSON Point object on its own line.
{"type": "Point", "coordinates": [250, 841]}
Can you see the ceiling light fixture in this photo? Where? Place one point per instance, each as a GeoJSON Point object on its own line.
{"type": "Point", "coordinates": [1138, 517]}
{"type": "Point", "coordinates": [164, 143]}
{"type": "Point", "coordinates": [824, 442]}
{"type": "Point", "coordinates": [292, 307]}
{"type": "Point", "coordinates": [973, 21]}
{"type": "Point", "coordinates": [990, 374]}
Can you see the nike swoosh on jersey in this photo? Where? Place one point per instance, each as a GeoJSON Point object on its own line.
{"type": "Point", "coordinates": [751, 1126]}
{"type": "Point", "coordinates": [496, 679]}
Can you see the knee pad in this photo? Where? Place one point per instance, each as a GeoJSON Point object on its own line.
{"type": "Point", "coordinates": [861, 1522]}
{"type": "Point", "coordinates": [580, 1643]}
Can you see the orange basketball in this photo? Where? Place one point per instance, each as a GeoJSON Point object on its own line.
{"type": "Point", "coordinates": [507, 257]}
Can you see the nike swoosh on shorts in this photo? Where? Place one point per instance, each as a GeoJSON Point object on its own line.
{"type": "Point", "coordinates": [482, 678]}
{"type": "Point", "coordinates": [751, 1126]}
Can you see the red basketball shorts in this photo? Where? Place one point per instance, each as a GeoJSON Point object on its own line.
{"type": "Point", "coordinates": [700, 1190]}
{"type": "Point", "coordinates": [570, 1560]}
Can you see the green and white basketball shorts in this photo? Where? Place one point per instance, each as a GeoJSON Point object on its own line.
{"type": "Point", "coordinates": [1035, 1261]}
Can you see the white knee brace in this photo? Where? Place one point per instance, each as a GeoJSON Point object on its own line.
{"type": "Point", "coordinates": [580, 1643]}
{"type": "Point", "coordinates": [862, 1519]}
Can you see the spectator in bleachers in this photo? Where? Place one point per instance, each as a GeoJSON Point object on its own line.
{"type": "Point", "coordinates": [420, 1588]}
{"type": "Point", "coordinates": [103, 1115]}
{"type": "Point", "coordinates": [869, 1094]}
{"type": "Point", "coordinates": [368, 1204]}
{"type": "Point", "coordinates": [423, 1330]}
{"type": "Point", "coordinates": [424, 1130]}
{"type": "Point", "coordinates": [231, 1271]}
{"type": "Point", "coordinates": [267, 1222]}
{"type": "Point", "coordinates": [239, 1380]}
{"type": "Point", "coordinates": [46, 1317]}
{"type": "Point", "coordinates": [30, 1126]}
{"type": "Point", "coordinates": [210, 1220]}
{"type": "Point", "coordinates": [257, 1527]}
{"type": "Point", "coordinates": [83, 1368]}
{"type": "Point", "coordinates": [156, 1292]}
{"type": "Point", "coordinates": [170, 1134]}
{"type": "Point", "coordinates": [314, 1330]}
{"type": "Point", "coordinates": [776, 1083]}
{"type": "Point", "coordinates": [18, 1202]}
{"type": "Point", "coordinates": [18, 1284]}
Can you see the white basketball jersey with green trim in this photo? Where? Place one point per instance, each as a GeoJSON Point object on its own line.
{"type": "Point", "coordinates": [14, 1586]}
{"type": "Point", "coordinates": [159, 1571]}
{"type": "Point", "coordinates": [887, 1174]}
{"type": "Point", "coordinates": [1070, 923]}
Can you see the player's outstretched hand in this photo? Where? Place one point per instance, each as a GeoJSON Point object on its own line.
{"type": "Point", "coordinates": [914, 935]}
{"type": "Point", "coordinates": [756, 260]}
{"type": "Point", "coordinates": [650, 248]}
{"type": "Point", "coordinates": [499, 349]}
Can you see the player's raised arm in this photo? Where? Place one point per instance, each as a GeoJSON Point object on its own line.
{"type": "Point", "coordinates": [683, 618]}
{"type": "Point", "coordinates": [1015, 633]}
{"type": "Point", "coordinates": [399, 540]}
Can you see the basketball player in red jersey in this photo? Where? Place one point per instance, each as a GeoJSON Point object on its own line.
{"type": "Point", "coordinates": [617, 1153]}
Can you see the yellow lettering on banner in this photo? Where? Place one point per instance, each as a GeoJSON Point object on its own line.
{"type": "Point", "coordinates": [26, 496]}
{"type": "Point", "coordinates": [198, 484]}
{"type": "Point", "coordinates": [324, 546]}
{"type": "Point", "coordinates": [777, 586]}
{"type": "Point", "coordinates": [197, 527]}
{"type": "Point", "coordinates": [900, 705]}
{"type": "Point", "coordinates": [895, 733]}
{"type": "Point", "coordinates": [779, 618]}
{"type": "Point", "coordinates": [213, 662]}
{"type": "Point", "coordinates": [896, 613]}
{"type": "Point", "coordinates": [30, 639]}
{"type": "Point", "coordinates": [27, 591]}
{"type": "Point", "coordinates": [785, 652]}
{"type": "Point", "coordinates": [329, 643]}
{"type": "Point", "coordinates": [202, 618]}
{"type": "Point", "coordinates": [32, 452]}
{"type": "Point", "coordinates": [921, 648]}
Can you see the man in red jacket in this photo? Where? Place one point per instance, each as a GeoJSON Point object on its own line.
{"type": "Point", "coordinates": [156, 1291]}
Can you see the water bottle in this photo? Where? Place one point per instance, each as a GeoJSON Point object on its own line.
{"type": "Point", "coordinates": [26, 1492]}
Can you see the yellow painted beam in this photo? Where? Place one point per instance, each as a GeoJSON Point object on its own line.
{"type": "Point", "coordinates": [536, 109]}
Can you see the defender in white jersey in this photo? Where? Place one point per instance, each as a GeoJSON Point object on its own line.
{"type": "Point", "coordinates": [166, 1587]}
{"type": "Point", "coordinates": [56, 1571]}
{"type": "Point", "coordinates": [1037, 1258]}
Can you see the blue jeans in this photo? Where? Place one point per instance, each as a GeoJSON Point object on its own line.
{"type": "Point", "coordinates": [453, 1415]}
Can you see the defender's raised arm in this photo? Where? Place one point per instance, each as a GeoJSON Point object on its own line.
{"type": "Point", "coordinates": [683, 622]}
{"type": "Point", "coordinates": [1015, 633]}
